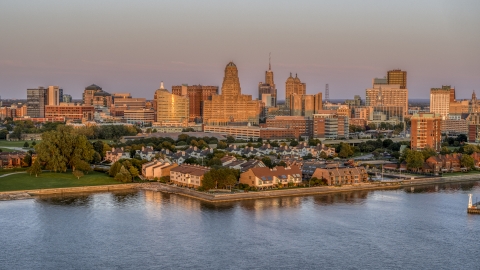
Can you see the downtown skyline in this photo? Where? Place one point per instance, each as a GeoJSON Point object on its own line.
{"type": "Point", "coordinates": [130, 47]}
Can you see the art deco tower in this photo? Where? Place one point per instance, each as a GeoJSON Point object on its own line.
{"type": "Point", "coordinates": [294, 86]}
{"type": "Point", "coordinates": [231, 82]}
{"type": "Point", "coordinates": [269, 86]}
{"type": "Point", "coordinates": [231, 106]}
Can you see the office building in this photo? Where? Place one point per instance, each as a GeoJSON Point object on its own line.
{"type": "Point", "coordinates": [231, 107]}
{"type": "Point", "coordinates": [440, 99]}
{"type": "Point", "coordinates": [305, 105]}
{"type": "Point", "coordinates": [196, 94]}
{"type": "Point", "coordinates": [294, 86]}
{"type": "Point", "coordinates": [170, 108]}
{"type": "Point", "coordinates": [328, 124]}
{"type": "Point", "coordinates": [70, 111]}
{"type": "Point", "coordinates": [36, 101]}
{"type": "Point", "coordinates": [397, 77]}
{"type": "Point", "coordinates": [94, 95]}
{"type": "Point", "coordinates": [426, 131]}
{"type": "Point", "coordinates": [387, 95]}
{"type": "Point", "coordinates": [53, 95]}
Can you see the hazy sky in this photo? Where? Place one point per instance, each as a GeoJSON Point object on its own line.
{"type": "Point", "coordinates": [130, 46]}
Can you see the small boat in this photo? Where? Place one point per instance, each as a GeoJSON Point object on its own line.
{"type": "Point", "coordinates": [473, 208]}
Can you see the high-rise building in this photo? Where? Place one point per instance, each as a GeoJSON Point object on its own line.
{"type": "Point", "coordinates": [67, 98]}
{"type": "Point", "coordinates": [53, 95]}
{"type": "Point", "coordinates": [196, 95]}
{"type": "Point", "coordinates": [94, 95]}
{"type": "Point", "coordinates": [170, 108]}
{"type": "Point", "coordinates": [305, 105]}
{"type": "Point", "coordinates": [426, 131]}
{"type": "Point", "coordinates": [36, 101]}
{"type": "Point", "coordinates": [294, 86]}
{"type": "Point", "coordinates": [328, 124]}
{"type": "Point", "coordinates": [397, 76]}
{"type": "Point", "coordinates": [269, 86]}
{"type": "Point", "coordinates": [387, 95]}
{"type": "Point", "coordinates": [231, 106]}
{"type": "Point", "coordinates": [440, 99]}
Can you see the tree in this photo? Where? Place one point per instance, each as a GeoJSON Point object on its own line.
{"type": "Point", "coordinates": [27, 160]}
{"type": "Point", "coordinates": [386, 143]}
{"type": "Point", "coordinates": [467, 161]}
{"type": "Point", "coordinates": [36, 168]}
{"type": "Point", "coordinates": [114, 169]}
{"type": "Point", "coordinates": [323, 155]}
{"type": "Point", "coordinates": [123, 175]}
{"type": "Point", "coordinates": [293, 143]}
{"type": "Point", "coordinates": [230, 139]}
{"type": "Point", "coordinates": [221, 145]}
{"type": "Point", "coordinates": [63, 148]}
{"type": "Point", "coordinates": [220, 178]}
{"type": "Point", "coordinates": [77, 174]}
{"type": "Point", "coordinates": [444, 151]}
{"type": "Point", "coordinates": [26, 145]}
{"type": "Point", "coordinates": [268, 162]}
{"type": "Point", "coordinates": [470, 149]}
{"type": "Point", "coordinates": [428, 152]}
{"type": "Point", "coordinates": [133, 171]}
{"type": "Point", "coordinates": [414, 160]}
{"type": "Point", "coordinates": [345, 150]}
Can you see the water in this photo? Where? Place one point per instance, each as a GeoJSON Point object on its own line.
{"type": "Point", "coordinates": [397, 229]}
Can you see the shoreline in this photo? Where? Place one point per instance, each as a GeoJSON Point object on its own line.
{"type": "Point", "coordinates": [230, 197]}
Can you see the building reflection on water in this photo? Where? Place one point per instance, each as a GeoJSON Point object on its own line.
{"type": "Point", "coordinates": [449, 187]}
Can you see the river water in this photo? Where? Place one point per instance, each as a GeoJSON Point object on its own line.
{"type": "Point", "coordinates": [424, 228]}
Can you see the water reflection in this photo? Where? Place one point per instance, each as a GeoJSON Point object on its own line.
{"type": "Point", "coordinates": [349, 198]}
{"type": "Point", "coordinates": [449, 187]}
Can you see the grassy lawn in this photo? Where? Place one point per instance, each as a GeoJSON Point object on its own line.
{"type": "Point", "coordinates": [15, 143]}
{"type": "Point", "coordinates": [461, 173]}
{"type": "Point", "coordinates": [6, 150]}
{"type": "Point", "coordinates": [23, 181]}
{"type": "Point", "coordinates": [7, 171]}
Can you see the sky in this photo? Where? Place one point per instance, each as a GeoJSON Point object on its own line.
{"type": "Point", "coordinates": [130, 46]}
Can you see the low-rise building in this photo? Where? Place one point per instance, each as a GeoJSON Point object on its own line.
{"type": "Point", "coordinates": [264, 177]}
{"type": "Point", "coordinates": [157, 169]}
{"type": "Point", "coordinates": [188, 175]}
{"type": "Point", "coordinates": [116, 154]}
{"type": "Point", "coordinates": [342, 176]}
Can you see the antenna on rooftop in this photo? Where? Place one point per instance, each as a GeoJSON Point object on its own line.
{"type": "Point", "coordinates": [327, 93]}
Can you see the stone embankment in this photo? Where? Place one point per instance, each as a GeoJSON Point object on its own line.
{"type": "Point", "coordinates": [29, 194]}
{"type": "Point", "coordinates": [237, 196]}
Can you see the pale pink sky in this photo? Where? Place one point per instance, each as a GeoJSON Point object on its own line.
{"type": "Point", "coordinates": [130, 46]}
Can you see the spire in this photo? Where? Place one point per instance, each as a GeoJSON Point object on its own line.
{"type": "Point", "coordinates": [296, 75]}
{"type": "Point", "coordinates": [161, 85]}
{"type": "Point", "coordinates": [269, 61]}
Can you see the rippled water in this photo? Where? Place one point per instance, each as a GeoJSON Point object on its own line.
{"type": "Point", "coordinates": [427, 228]}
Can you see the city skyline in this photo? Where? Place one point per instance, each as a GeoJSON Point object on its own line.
{"type": "Point", "coordinates": [342, 44]}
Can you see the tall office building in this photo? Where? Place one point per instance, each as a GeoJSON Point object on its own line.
{"type": "Point", "coordinates": [53, 95]}
{"type": "Point", "coordinates": [397, 76]}
{"type": "Point", "coordinates": [426, 131]}
{"type": "Point", "coordinates": [294, 86]}
{"type": "Point", "coordinates": [269, 86]}
{"type": "Point", "coordinates": [36, 101]}
{"type": "Point", "coordinates": [305, 105]}
{"type": "Point", "coordinates": [196, 94]}
{"type": "Point", "coordinates": [94, 95]}
{"type": "Point", "coordinates": [231, 106]}
{"type": "Point", "coordinates": [170, 108]}
{"type": "Point", "coordinates": [440, 99]}
{"type": "Point", "coordinates": [387, 95]}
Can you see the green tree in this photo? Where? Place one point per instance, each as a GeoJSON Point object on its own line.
{"type": "Point", "coordinates": [414, 160]}
{"type": "Point", "coordinates": [133, 172]}
{"type": "Point", "coordinates": [27, 160]}
{"type": "Point", "coordinates": [470, 149]}
{"type": "Point", "coordinates": [123, 175]}
{"type": "Point", "coordinates": [428, 152]}
{"type": "Point", "coordinates": [323, 155]}
{"type": "Point", "coordinates": [467, 161]}
{"type": "Point", "coordinates": [268, 162]}
{"type": "Point", "coordinates": [77, 174]}
{"type": "Point", "coordinates": [26, 145]}
{"type": "Point", "coordinates": [444, 151]}
{"type": "Point", "coordinates": [220, 178]}
{"type": "Point", "coordinates": [293, 143]}
{"type": "Point", "coordinates": [345, 150]}
{"type": "Point", "coordinates": [36, 168]}
{"type": "Point", "coordinates": [115, 169]}
{"type": "Point", "coordinates": [63, 148]}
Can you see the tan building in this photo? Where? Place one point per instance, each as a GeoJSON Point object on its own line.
{"type": "Point", "coordinates": [70, 111]}
{"type": "Point", "coordinates": [139, 116]}
{"type": "Point", "coordinates": [157, 169]}
{"type": "Point", "coordinates": [457, 108]}
{"type": "Point", "coordinates": [440, 99]}
{"type": "Point", "coordinates": [342, 176]}
{"type": "Point", "coordinates": [305, 105]}
{"type": "Point", "coordinates": [53, 95]}
{"type": "Point", "coordinates": [294, 86]}
{"type": "Point", "coordinates": [170, 107]}
{"type": "Point", "coordinates": [254, 133]}
{"type": "Point", "coordinates": [94, 95]}
{"type": "Point", "coordinates": [397, 76]}
{"type": "Point", "coordinates": [426, 131]}
{"type": "Point", "coordinates": [196, 94]}
{"type": "Point", "coordinates": [328, 124]}
{"type": "Point", "coordinates": [387, 95]}
{"type": "Point", "coordinates": [231, 105]}
{"type": "Point", "coordinates": [268, 87]}
{"type": "Point", "coordinates": [188, 175]}
{"type": "Point", "coordinates": [303, 124]}
{"type": "Point", "coordinates": [264, 177]}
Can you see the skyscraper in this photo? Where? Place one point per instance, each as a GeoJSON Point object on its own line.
{"type": "Point", "coordinates": [231, 106]}
{"type": "Point", "coordinates": [426, 131]}
{"type": "Point", "coordinates": [53, 95]}
{"type": "Point", "coordinates": [269, 86]}
{"type": "Point", "coordinates": [387, 95]}
{"type": "Point", "coordinates": [440, 100]}
{"type": "Point", "coordinates": [36, 101]}
{"type": "Point", "coordinates": [196, 94]}
{"type": "Point", "coordinates": [294, 86]}
{"type": "Point", "coordinates": [170, 108]}
{"type": "Point", "coordinates": [397, 76]}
